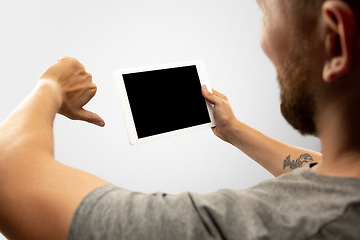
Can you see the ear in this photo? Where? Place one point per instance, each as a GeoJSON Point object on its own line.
{"type": "Point", "coordinates": [340, 40]}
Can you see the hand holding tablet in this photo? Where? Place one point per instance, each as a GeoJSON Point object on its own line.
{"type": "Point", "coordinates": [163, 101]}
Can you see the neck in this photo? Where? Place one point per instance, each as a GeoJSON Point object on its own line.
{"type": "Point", "coordinates": [339, 133]}
{"type": "Point", "coordinates": [343, 166]}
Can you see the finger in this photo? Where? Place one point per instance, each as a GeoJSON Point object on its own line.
{"type": "Point", "coordinates": [220, 95]}
{"type": "Point", "coordinates": [90, 117]}
{"type": "Point", "coordinates": [208, 95]}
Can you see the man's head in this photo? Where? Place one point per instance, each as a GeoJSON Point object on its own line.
{"type": "Point", "coordinates": [313, 44]}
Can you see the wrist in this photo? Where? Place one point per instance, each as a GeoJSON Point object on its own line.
{"type": "Point", "coordinates": [229, 131]}
{"type": "Point", "coordinates": [52, 91]}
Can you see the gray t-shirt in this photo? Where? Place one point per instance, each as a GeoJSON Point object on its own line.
{"type": "Point", "coordinates": [297, 205]}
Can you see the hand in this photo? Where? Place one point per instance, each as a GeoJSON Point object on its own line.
{"type": "Point", "coordinates": [223, 113]}
{"type": "Point", "coordinates": [76, 88]}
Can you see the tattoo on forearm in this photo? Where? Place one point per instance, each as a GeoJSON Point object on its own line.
{"type": "Point", "coordinates": [304, 158]}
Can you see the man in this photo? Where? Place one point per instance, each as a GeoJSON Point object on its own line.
{"type": "Point", "coordinates": [315, 47]}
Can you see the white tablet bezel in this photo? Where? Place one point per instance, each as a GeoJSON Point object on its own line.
{"type": "Point", "coordinates": [125, 105]}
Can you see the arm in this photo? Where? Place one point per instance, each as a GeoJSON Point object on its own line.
{"type": "Point", "coordinates": [273, 155]}
{"type": "Point", "coordinates": [38, 194]}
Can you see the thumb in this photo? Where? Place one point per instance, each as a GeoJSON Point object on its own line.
{"type": "Point", "coordinates": [90, 117]}
{"type": "Point", "coordinates": [208, 95]}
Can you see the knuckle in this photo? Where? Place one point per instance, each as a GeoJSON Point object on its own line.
{"type": "Point", "coordinates": [94, 87]}
{"type": "Point", "coordinates": [73, 61]}
{"type": "Point", "coordinates": [87, 77]}
{"type": "Point", "coordinates": [90, 118]}
{"type": "Point", "coordinates": [223, 102]}
{"type": "Point", "coordinates": [63, 58]}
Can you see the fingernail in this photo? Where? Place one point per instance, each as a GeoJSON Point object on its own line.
{"type": "Point", "coordinates": [101, 124]}
{"type": "Point", "coordinates": [205, 88]}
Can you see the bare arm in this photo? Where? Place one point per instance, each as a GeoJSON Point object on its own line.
{"type": "Point", "coordinates": [38, 194]}
{"type": "Point", "coordinates": [275, 156]}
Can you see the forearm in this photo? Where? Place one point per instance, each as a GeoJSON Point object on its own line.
{"type": "Point", "coordinates": [38, 194]}
{"type": "Point", "coordinates": [29, 128]}
{"type": "Point", "coordinates": [273, 155]}
{"type": "Point", "coordinates": [268, 152]}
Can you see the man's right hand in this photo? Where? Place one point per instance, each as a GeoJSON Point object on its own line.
{"type": "Point", "coordinates": [76, 89]}
{"type": "Point", "coordinates": [224, 116]}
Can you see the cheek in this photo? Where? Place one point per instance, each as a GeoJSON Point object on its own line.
{"type": "Point", "coordinates": [273, 42]}
{"type": "Point", "coordinates": [266, 40]}
{"type": "Point", "coordinates": [263, 38]}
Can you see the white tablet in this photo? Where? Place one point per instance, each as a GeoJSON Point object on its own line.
{"type": "Point", "coordinates": [162, 101]}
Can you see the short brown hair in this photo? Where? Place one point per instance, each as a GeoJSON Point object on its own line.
{"type": "Point", "coordinates": [307, 11]}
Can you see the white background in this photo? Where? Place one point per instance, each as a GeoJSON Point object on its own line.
{"type": "Point", "coordinates": [109, 35]}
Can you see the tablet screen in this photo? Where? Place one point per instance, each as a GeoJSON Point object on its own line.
{"type": "Point", "coordinates": [165, 100]}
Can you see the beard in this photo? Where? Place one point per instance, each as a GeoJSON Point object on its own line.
{"type": "Point", "coordinates": [297, 102]}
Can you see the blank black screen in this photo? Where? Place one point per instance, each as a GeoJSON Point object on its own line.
{"type": "Point", "coordinates": [165, 100]}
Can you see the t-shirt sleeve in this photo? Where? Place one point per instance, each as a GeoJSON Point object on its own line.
{"type": "Point", "coordinates": [110, 212]}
